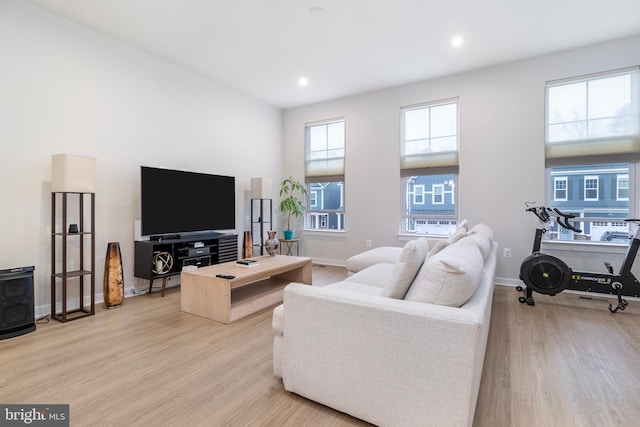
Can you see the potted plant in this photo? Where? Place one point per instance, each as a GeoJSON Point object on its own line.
{"type": "Point", "coordinates": [290, 204]}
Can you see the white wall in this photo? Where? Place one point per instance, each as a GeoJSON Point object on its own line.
{"type": "Point", "coordinates": [501, 151]}
{"type": "Point", "coordinates": [68, 89]}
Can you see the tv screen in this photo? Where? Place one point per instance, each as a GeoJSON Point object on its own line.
{"type": "Point", "coordinates": [174, 201]}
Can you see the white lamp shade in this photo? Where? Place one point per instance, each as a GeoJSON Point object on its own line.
{"type": "Point", "coordinates": [73, 174]}
{"type": "Point", "coordinates": [260, 188]}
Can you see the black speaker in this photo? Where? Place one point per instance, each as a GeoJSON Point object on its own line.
{"type": "Point", "coordinates": [16, 302]}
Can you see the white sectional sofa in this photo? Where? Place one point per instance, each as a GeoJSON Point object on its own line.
{"type": "Point", "coordinates": [398, 343]}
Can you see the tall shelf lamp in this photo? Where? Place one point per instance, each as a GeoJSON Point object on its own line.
{"type": "Point", "coordinates": [261, 211]}
{"type": "Point", "coordinates": [73, 188]}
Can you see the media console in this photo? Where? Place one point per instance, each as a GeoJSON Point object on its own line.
{"type": "Point", "coordinates": [161, 259]}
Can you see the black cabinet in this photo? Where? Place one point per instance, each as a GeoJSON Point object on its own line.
{"type": "Point", "coordinates": [160, 259]}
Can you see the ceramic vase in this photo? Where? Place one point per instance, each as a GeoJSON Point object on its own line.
{"type": "Point", "coordinates": [272, 243]}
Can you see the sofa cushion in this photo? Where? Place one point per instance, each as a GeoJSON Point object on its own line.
{"type": "Point", "coordinates": [377, 275]}
{"type": "Point", "coordinates": [405, 269]}
{"type": "Point", "coordinates": [277, 322]}
{"type": "Point", "coordinates": [388, 254]}
{"type": "Point", "coordinates": [449, 277]}
{"type": "Point", "coordinates": [357, 288]}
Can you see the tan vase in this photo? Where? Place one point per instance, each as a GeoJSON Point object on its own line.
{"type": "Point", "coordinates": [113, 288]}
{"type": "Point", "coordinates": [247, 245]}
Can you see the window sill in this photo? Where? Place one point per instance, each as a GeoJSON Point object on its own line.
{"type": "Point", "coordinates": [405, 237]}
{"type": "Point", "coordinates": [586, 246]}
{"type": "Point", "coordinates": [337, 234]}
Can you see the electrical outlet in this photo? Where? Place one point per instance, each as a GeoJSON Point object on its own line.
{"type": "Point", "coordinates": [367, 243]}
{"type": "Point", "coordinates": [507, 253]}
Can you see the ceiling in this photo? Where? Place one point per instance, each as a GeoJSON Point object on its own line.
{"type": "Point", "coordinates": [345, 47]}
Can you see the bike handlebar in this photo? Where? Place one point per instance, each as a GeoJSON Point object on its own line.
{"type": "Point", "coordinates": [562, 218]}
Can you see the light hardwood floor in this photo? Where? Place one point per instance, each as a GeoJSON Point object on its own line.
{"type": "Point", "coordinates": [565, 362]}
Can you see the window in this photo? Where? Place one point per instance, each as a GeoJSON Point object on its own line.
{"type": "Point", "coordinates": [324, 174]}
{"type": "Point", "coordinates": [592, 146]}
{"type": "Point", "coordinates": [429, 160]}
{"type": "Point", "coordinates": [437, 195]}
{"type": "Point", "coordinates": [418, 194]}
{"type": "Point", "coordinates": [622, 187]}
{"type": "Point", "coordinates": [560, 189]}
{"type": "Point", "coordinates": [591, 188]}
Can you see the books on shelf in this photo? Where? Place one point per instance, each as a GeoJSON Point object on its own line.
{"type": "Point", "coordinates": [247, 263]}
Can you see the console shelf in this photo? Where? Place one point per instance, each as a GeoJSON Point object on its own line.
{"type": "Point", "coordinates": [200, 250]}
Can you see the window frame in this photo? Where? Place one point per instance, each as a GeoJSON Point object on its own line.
{"type": "Point", "coordinates": [419, 194]}
{"type": "Point", "coordinates": [586, 180]}
{"type": "Point", "coordinates": [615, 143]}
{"type": "Point", "coordinates": [316, 218]}
{"type": "Point", "coordinates": [619, 178]}
{"type": "Point", "coordinates": [430, 162]}
{"type": "Point", "coordinates": [556, 180]}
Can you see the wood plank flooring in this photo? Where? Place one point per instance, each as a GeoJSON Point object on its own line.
{"type": "Point", "coordinates": [565, 362]}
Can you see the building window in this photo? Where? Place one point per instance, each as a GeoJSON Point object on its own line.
{"type": "Point", "coordinates": [324, 175]}
{"type": "Point", "coordinates": [418, 194]}
{"type": "Point", "coordinates": [622, 187]}
{"type": "Point", "coordinates": [593, 146]}
{"type": "Point", "coordinates": [591, 188]}
{"type": "Point", "coordinates": [429, 160]}
{"type": "Point", "coordinates": [560, 189]}
{"type": "Point", "coordinates": [437, 194]}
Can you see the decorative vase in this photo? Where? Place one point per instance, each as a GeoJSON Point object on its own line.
{"type": "Point", "coordinates": [247, 246]}
{"type": "Point", "coordinates": [271, 244]}
{"type": "Point", "coordinates": [288, 234]}
{"type": "Point", "coordinates": [113, 288]}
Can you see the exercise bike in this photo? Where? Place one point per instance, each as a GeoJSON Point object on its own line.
{"type": "Point", "coordinates": [549, 275]}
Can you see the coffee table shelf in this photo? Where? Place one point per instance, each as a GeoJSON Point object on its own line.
{"type": "Point", "coordinates": [253, 289]}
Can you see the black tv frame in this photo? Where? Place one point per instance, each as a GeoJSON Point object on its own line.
{"type": "Point", "coordinates": [178, 202]}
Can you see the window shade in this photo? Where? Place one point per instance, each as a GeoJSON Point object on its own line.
{"type": "Point", "coordinates": [594, 117]}
{"type": "Point", "coordinates": [429, 136]}
{"type": "Point", "coordinates": [325, 149]}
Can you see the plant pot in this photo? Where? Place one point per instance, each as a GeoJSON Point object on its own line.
{"type": "Point", "coordinates": [288, 234]}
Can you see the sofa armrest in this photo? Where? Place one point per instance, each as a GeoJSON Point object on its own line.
{"type": "Point", "coordinates": [387, 361]}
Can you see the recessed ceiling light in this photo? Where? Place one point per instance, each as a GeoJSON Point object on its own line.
{"type": "Point", "coordinates": [457, 41]}
{"type": "Point", "coordinates": [303, 81]}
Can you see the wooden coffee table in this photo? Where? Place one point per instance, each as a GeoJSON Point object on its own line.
{"type": "Point", "coordinates": [253, 288]}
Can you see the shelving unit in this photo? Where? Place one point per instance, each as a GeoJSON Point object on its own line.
{"type": "Point", "coordinates": [200, 250]}
{"type": "Point", "coordinates": [82, 269]}
{"type": "Point", "coordinates": [261, 221]}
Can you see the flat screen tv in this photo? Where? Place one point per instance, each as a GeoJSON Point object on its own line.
{"type": "Point", "coordinates": [175, 201]}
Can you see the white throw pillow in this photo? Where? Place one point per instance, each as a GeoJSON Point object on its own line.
{"type": "Point", "coordinates": [483, 241]}
{"type": "Point", "coordinates": [440, 245]}
{"type": "Point", "coordinates": [405, 270]}
{"type": "Point", "coordinates": [458, 235]}
{"type": "Point", "coordinates": [450, 277]}
{"type": "Point", "coordinates": [482, 228]}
